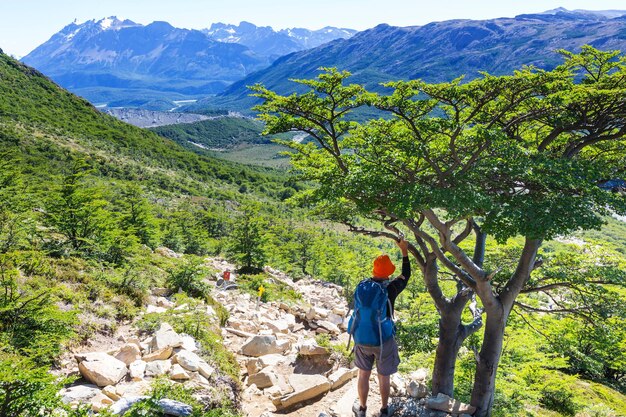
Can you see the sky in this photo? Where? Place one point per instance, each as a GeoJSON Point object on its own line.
{"type": "Point", "coordinates": [25, 24]}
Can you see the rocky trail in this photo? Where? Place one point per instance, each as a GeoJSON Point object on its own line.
{"type": "Point", "coordinates": [292, 359]}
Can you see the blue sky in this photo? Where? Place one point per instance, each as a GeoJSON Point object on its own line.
{"type": "Point", "coordinates": [25, 24]}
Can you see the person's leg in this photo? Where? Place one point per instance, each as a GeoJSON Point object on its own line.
{"type": "Point", "coordinates": [363, 386]}
{"type": "Point", "coordinates": [384, 387]}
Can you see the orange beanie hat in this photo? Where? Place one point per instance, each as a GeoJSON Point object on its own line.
{"type": "Point", "coordinates": [383, 267]}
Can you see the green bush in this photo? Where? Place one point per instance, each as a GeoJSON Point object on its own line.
{"type": "Point", "coordinates": [189, 277]}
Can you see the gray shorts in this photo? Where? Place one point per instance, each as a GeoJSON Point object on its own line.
{"type": "Point", "coordinates": [366, 355]}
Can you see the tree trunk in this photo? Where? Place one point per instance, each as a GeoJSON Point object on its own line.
{"type": "Point", "coordinates": [451, 337]}
{"type": "Point", "coordinates": [489, 357]}
{"type": "Point", "coordinates": [452, 333]}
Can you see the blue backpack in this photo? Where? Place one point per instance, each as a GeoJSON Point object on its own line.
{"type": "Point", "coordinates": [370, 324]}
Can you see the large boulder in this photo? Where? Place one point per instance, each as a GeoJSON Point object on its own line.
{"type": "Point", "coordinates": [262, 345]}
{"type": "Point", "coordinates": [101, 369]}
{"type": "Point", "coordinates": [305, 388]}
{"type": "Point", "coordinates": [444, 403]}
{"type": "Point", "coordinates": [341, 376]}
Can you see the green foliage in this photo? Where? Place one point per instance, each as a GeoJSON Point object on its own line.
{"type": "Point", "coordinates": [26, 389]}
{"type": "Point", "coordinates": [247, 238]}
{"type": "Point", "coordinates": [190, 277]}
{"type": "Point", "coordinates": [273, 290]}
{"type": "Point", "coordinates": [136, 215]}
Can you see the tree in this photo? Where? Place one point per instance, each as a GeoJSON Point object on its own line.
{"type": "Point", "coordinates": [15, 220]}
{"type": "Point", "coordinates": [246, 240]}
{"type": "Point", "coordinates": [137, 217]}
{"type": "Point", "coordinates": [77, 211]}
{"type": "Point", "coordinates": [519, 155]}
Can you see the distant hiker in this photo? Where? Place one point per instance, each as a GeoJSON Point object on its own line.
{"type": "Point", "coordinates": [372, 328]}
{"type": "Point", "coordinates": [226, 275]}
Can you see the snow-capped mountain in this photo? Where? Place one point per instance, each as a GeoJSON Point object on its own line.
{"type": "Point", "coordinates": [121, 62]}
{"type": "Point", "coordinates": [264, 40]}
{"type": "Point", "coordinates": [101, 59]}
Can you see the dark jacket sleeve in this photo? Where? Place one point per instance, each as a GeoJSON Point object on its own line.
{"type": "Point", "coordinates": [397, 285]}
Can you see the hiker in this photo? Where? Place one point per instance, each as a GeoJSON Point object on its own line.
{"type": "Point", "coordinates": [374, 337]}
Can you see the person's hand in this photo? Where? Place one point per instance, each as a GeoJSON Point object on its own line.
{"type": "Point", "coordinates": [403, 244]}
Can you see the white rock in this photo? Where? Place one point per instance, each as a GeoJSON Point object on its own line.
{"type": "Point", "coordinates": [157, 368]}
{"type": "Point", "coordinates": [263, 379]}
{"type": "Point", "coordinates": [305, 387]}
{"type": "Point", "coordinates": [335, 319]}
{"type": "Point", "coordinates": [154, 309]}
{"type": "Point", "coordinates": [80, 393]}
{"type": "Point", "coordinates": [123, 405]}
{"type": "Point", "coordinates": [110, 392]}
{"type": "Point", "coordinates": [274, 359]}
{"type": "Point", "coordinates": [133, 389]}
{"type": "Point", "coordinates": [283, 345]}
{"type": "Point", "coordinates": [417, 389]}
{"type": "Point", "coordinates": [165, 337]}
{"type": "Point", "coordinates": [137, 370]}
{"type": "Point", "coordinates": [100, 401]}
{"type": "Point", "coordinates": [188, 343]}
{"type": "Point", "coordinates": [341, 376]}
{"type": "Point", "coordinates": [419, 375]}
{"type": "Point", "coordinates": [101, 369]}
{"type": "Point", "coordinates": [128, 353]}
{"type": "Point", "coordinates": [316, 313]}
{"type": "Point", "coordinates": [177, 373]}
{"type": "Point", "coordinates": [278, 326]}
{"type": "Point", "coordinates": [444, 403]}
{"type": "Point", "coordinates": [187, 360]}
{"type": "Point", "coordinates": [206, 370]}
{"type": "Point", "coordinates": [262, 345]}
{"type": "Point", "coordinates": [253, 366]}
{"type": "Point", "coordinates": [329, 326]}
{"type": "Point", "coordinates": [398, 384]}
{"type": "Point", "coordinates": [158, 355]}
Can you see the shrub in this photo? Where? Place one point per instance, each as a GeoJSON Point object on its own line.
{"type": "Point", "coordinates": [189, 277]}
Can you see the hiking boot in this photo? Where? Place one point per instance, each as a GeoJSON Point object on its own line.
{"type": "Point", "coordinates": [387, 412]}
{"type": "Point", "coordinates": [356, 410]}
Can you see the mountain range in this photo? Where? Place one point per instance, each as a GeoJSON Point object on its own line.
{"type": "Point", "coordinates": [122, 63]}
{"type": "Point", "coordinates": [265, 41]}
{"type": "Point", "coordinates": [113, 60]}
{"type": "Point", "coordinates": [440, 51]}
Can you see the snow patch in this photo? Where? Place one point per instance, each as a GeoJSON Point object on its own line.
{"type": "Point", "coordinates": [106, 23]}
